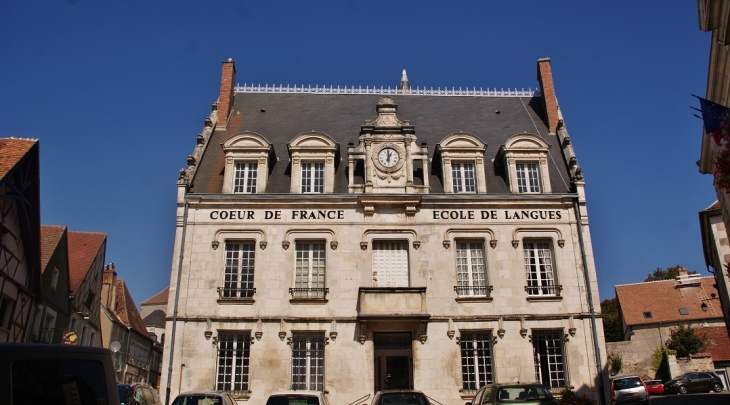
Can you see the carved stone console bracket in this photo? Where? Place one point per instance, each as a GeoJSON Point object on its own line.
{"type": "Point", "coordinates": [516, 242]}
{"type": "Point", "coordinates": [370, 202]}
{"type": "Point", "coordinates": [333, 236]}
{"type": "Point", "coordinates": [449, 232]}
{"type": "Point", "coordinates": [413, 233]}
{"type": "Point", "coordinates": [240, 233]}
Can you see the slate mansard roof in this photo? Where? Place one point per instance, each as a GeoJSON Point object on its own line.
{"type": "Point", "coordinates": [280, 117]}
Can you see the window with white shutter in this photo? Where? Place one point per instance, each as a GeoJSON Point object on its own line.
{"type": "Point", "coordinates": [390, 264]}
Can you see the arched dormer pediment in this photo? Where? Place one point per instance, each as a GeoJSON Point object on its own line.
{"type": "Point", "coordinates": [526, 141]}
{"type": "Point", "coordinates": [461, 156]}
{"type": "Point", "coordinates": [525, 163]}
{"type": "Point", "coordinates": [244, 141]}
{"type": "Point", "coordinates": [249, 158]}
{"type": "Point", "coordinates": [314, 159]}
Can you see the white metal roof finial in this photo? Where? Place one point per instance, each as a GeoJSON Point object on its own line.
{"type": "Point", "coordinates": [404, 84]}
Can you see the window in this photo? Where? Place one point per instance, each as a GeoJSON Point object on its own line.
{"type": "Point", "coordinates": [547, 347]}
{"type": "Point", "coordinates": [528, 179]}
{"type": "Point", "coordinates": [54, 279]}
{"type": "Point", "coordinates": [683, 311]}
{"type": "Point", "coordinates": [307, 361]}
{"type": "Point", "coordinates": [476, 359]}
{"type": "Point", "coordinates": [647, 315]}
{"type": "Point", "coordinates": [6, 311]}
{"type": "Point", "coordinates": [470, 270]}
{"type": "Point", "coordinates": [539, 268]}
{"type": "Point", "coordinates": [234, 350]}
{"type": "Point", "coordinates": [312, 178]}
{"type": "Point", "coordinates": [90, 299]}
{"type": "Point", "coordinates": [462, 177]}
{"type": "Point", "coordinates": [390, 264]}
{"type": "Point", "coordinates": [49, 326]}
{"type": "Point", "coordinates": [523, 160]}
{"type": "Point", "coordinates": [309, 277]}
{"type": "Point", "coordinates": [238, 273]}
{"type": "Point", "coordinates": [244, 180]}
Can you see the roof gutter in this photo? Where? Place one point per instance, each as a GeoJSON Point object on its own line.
{"type": "Point", "coordinates": [177, 299]}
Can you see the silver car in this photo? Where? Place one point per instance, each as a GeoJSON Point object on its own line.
{"type": "Point", "coordinates": [629, 389]}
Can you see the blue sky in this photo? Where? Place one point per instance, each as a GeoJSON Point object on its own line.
{"type": "Point", "coordinates": [117, 91]}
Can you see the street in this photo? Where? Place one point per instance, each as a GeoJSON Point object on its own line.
{"type": "Point", "coordinates": [691, 399]}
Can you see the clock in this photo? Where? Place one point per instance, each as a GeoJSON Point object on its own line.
{"type": "Point", "coordinates": [388, 157]}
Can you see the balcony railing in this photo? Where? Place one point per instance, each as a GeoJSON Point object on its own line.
{"type": "Point", "coordinates": [473, 291]}
{"type": "Point", "coordinates": [548, 290]}
{"type": "Point", "coordinates": [234, 293]}
{"type": "Point", "coordinates": [309, 292]}
{"type": "Point", "coordinates": [45, 335]}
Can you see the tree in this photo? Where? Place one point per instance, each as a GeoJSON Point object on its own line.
{"type": "Point", "coordinates": [669, 274]}
{"type": "Point", "coordinates": [611, 322]}
{"type": "Point", "coordinates": [685, 342]}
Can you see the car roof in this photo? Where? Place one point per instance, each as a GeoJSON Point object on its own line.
{"type": "Point", "coordinates": [400, 392]}
{"type": "Point", "coordinates": [202, 393]}
{"type": "Point", "coordinates": [296, 392]}
{"type": "Point", "coordinates": [626, 376]}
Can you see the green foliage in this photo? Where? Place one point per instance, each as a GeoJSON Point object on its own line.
{"type": "Point", "coordinates": [615, 362]}
{"type": "Point", "coordinates": [661, 363]}
{"type": "Point", "coordinates": [611, 322]}
{"type": "Point", "coordinates": [669, 274]}
{"type": "Point", "coordinates": [685, 342]}
{"type": "Point", "coordinates": [568, 397]}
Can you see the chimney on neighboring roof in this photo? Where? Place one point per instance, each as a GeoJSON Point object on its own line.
{"type": "Point", "coordinates": [547, 88]}
{"type": "Point", "coordinates": [682, 272]}
{"type": "Point", "coordinates": [108, 287]}
{"type": "Point", "coordinates": [225, 99]}
{"type": "Point", "coordinates": [404, 84]}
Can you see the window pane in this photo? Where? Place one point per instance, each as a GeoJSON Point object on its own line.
{"type": "Point", "coordinates": [462, 177]}
{"type": "Point", "coordinates": [244, 180]}
{"type": "Point", "coordinates": [233, 361]}
{"type": "Point", "coordinates": [239, 270]}
{"type": "Point", "coordinates": [547, 348]}
{"type": "Point", "coordinates": [539, 268]}
{"type": "Point", "coordinates": [528, 179]}
{"type": "Point", "coordinates": [471, 273]}
{"type": "Point", "coordinates": [312, 178]}
{"type": "Point", "coordinates": [307, 361]}
{"type": "Point", "coordinates": [309, 277]}
{"type": "Point", "coordinates": [476, 359]}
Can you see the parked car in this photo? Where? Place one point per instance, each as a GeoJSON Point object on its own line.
{"type": "Point", "coordinates": [400, 397]}
{"type": "Point", "coordinates": [693, 382]}
{"type": "Point", "coordinates": [654, 387]}
{"type": "Point", "coordinates": [56, 374]}
{"type": "Point", "coordinates": [303, 397]}
{"type": "Point", "coordinates": [524, 394]}
{"type": "Point", "coordinates": [629, 389]}
{"type": "Point", "coordinates": [137, 394]}
{"type": "Point", "coordinates": [204, 398]}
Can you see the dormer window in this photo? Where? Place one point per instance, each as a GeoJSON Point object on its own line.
{"type": "Point", "coordinates": [248, 158]}
{"type": "Point", "coordinates": [462, 158]}
{"type": "Point", "coordinates": [313, 163]}
{"type": "Point", "coordinates": [523, 159]}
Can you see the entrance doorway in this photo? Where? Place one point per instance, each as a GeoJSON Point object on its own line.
{"type": "Point", "coordinates": [393, 361]}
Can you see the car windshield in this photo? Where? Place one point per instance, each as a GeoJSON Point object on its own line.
{"type": "Point", "coordinates": [293, 399]}
{"type": "Point", "coordinates": [624, 383]}
{"type": "Point", "coordinates": [522, 394]}
{"type": "Point", "coordinates": [405, 398]}
{"type": "Point", "coordinates": [682, 377]}
{"type": "Point", "coordinates": [197, 400]}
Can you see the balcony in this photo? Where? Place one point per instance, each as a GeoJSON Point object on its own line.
{"type": "Point", "coordinates": [473, 293]}
{"type": "Point", "coordinates": [544, 292]}
{"type": "Point", "coordinates": [228, 295]}
{"type": "Point", "coordinates": [304, 295]}
{"type": "Point", "coordinates": [392, 302]}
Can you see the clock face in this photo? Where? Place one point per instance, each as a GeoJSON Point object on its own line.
{"type": "Point", "coordinates": [388, 157]}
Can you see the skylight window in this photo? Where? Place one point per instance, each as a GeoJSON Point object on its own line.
{"type": "Point", "coordinates": [683, 311]}
{"type": "Point", "coordinates": [647, 315]}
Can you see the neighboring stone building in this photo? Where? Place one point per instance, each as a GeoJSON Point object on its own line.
{"type": "Point", "coordinates": [650, 311]}
{"type": "Point", "coordinates": [86, 251]}
{"type": "Point", "coordinates": [153, 315]}
{"type": "Point", "coordinates": [53, 308]}
{"type": "Point", "coordinates": [352, 240]}
{"type": "Point", "coordinates": [20, 256]}
{"type": "Point", "coordinates": [715, 17]}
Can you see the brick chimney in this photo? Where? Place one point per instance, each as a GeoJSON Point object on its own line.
{"type": "Point", "coordinates": [545, 78]}
{"type": "Point", "coordinates": [225, 99]}
{"type": "Point", "coordinates": [682, 272]}
{"type": "Point", "coordinates": [109, 287]}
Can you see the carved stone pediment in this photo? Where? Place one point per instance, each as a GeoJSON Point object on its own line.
{"type": "Point", "coordinates": [386, 109]}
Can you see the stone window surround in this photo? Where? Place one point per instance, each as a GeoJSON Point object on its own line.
{"type": "Point", "coordinates": [526, 148]}
{"type": "Point", "coordinates": [309, 300]}
{"type": "Point", "coordinates": [258, 237]}
{"type": "Point", "coordinates": [462, 147]}
{"type": "Point", "coordinates": [313, 147]}
{"type": "Point", "coordinates": [467, 236]}
{"type": "Point", "coordinates": [247, 147]}
{"type": "Point", "coordinates": [551, 236]}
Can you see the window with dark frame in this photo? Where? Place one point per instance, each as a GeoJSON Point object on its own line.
{"type": "Point", "coordinates": [547, 347]}
{"type": "Point", "coordinates": [476, 359]}
{"type": "Point", "coordinates": [647, 315]}
{"type": "Point", "coordinates": [307, 361]}
{"type": "Point", "coordinates": [234, 351]}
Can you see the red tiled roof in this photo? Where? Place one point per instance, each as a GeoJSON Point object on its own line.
{"type": "Point", "coordinates": [82, 250]}
{"type": "Point", "coordinates": [127, 311]}
{"type": "Point", "coordinates": [50, 236]}
{"type": "Point", "coordinates": [664, 299]}
{"type": "Point", "coordinates": [714, 206]}
{"type": "Point", "coordinates": [11, 151]}
{"type": "Point", "coordinates": [159, 298]}
{"type": "Point", "coordinates": [717, 342]}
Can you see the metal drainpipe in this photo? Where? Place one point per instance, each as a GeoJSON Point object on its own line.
{"type": "Point", "coordinates": [589, 293]}
{"type": "Point", "coordinates": [174, 311]}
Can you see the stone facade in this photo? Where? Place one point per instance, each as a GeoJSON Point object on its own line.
{"type": "Point", "coordinates": [362, 286]}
